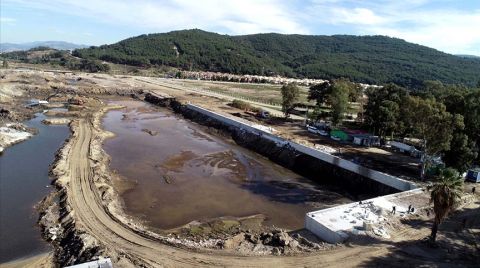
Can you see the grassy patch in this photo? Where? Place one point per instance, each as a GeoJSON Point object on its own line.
{"type": "Point", "coordinates": [244, 106]}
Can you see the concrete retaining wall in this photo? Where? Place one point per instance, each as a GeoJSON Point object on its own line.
{"type": "Point", "coordinates": [389, 180]}
{"type": "Point", "coordinates": [345, 173]}
{"type": "Point", "coordinates": [323, 232]}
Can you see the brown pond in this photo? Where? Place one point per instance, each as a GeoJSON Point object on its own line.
{"type": "Point", "coordinates": [182, 172]}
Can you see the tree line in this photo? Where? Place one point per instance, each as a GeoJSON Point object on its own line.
{"type": "Point", "coordinates": [55, 58]}
{"type": "Point", "coordinates": [446, 118]}
{"type": "Point", "coordinates": [365, 59]}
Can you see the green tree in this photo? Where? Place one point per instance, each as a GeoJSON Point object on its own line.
{"type": "Point", "coordinates": [318, 114]}
{"type": "Point", "coordinates": [93, 66]}
{"type": "Point", "coordinates": [452, 96]}
{"type": "Point", "coordinates": [338, 100]}
{"type": "Point", "coordinates": [462, 152]}
{"type": "Point", "coordinates": [5, 63]}
{"type": "Point", "coordinates": [355, 92]}
{"type": "Point", "coordinates": [432, 88]}
{"type": "Point", "coordinates": [387, 117]}
{"type": "Point", "coordinates": [319, 92]}
{"type": "Point", "coordinates": [383, 111]}
{"type": "Point", "coordinates": [466, 102]}
{"type": "Point", "coordinates": [472, 116]}
{"type": "Point", "coordinates": [444, 194]}
{"type": "Point", "coordinates": [290, 94]}
{"type": "Point", "coordinates": [430, 121]}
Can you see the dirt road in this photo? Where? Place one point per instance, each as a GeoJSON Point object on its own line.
{"type": "Point", "coordinates": [272, 109]}
{"type": "Point", "coordinates": [92, 217]}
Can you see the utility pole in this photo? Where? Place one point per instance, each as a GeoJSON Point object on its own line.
{"type": "Point", "coordinates": [306, 116]}
{"type": "Point", "coordinates": [424, 159]}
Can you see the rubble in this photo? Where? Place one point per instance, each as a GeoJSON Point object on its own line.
{"type": "Point", "coordinates": [56, 121]}
{"type": "Point", "coordinates": [372, 217]}
{"type": "Point", "coordinates": [234, 242]}
{"type": "Point", "coordinates": [149, 131]}
{"type": "Point", "coordinates": [13, 133]}
{"type": "Point", "coordinates": [325, 148]}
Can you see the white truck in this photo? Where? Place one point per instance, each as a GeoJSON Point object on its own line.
{"type": "Point", "coordinates": [402, 147]}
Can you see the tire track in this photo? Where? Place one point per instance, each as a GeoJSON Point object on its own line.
{"type": "Point", "coordinates": [90, 215]}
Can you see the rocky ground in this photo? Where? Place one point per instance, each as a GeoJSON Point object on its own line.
{"type": "Point", "coordinates": [12, 133]}
{"type": "Point", "coordinates": [57, 121]}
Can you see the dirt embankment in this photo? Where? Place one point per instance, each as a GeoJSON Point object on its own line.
{"type": "Point", "coordinates": [88, 207]}
{"type": "Point", "coordinates": [12, 133]}
{"type": "Point", "coordinates": [44, 260]}
{"type": "Point", "coordinates": [82, 225]}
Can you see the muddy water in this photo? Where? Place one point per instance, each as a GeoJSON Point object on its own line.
{"type": "Point", "coordinates": [183, 173]}
{"type": "Point", "coordinates": [23, 182]}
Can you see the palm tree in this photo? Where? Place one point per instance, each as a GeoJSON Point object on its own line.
{"type": "Point", "coordinates": [444, 194]}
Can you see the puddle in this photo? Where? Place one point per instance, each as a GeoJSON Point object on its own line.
{"type": "Point", "coordinates": [24, 171]}
{"type": "Point", "coordinates": [182, 173]}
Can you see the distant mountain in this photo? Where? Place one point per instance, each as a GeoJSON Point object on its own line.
{"type": "Point", "coordinates": [8, 47]}
{"type": "Point", "coordinates": [468, 56]}
{"type": "Point", "coordinates": [368, 59]}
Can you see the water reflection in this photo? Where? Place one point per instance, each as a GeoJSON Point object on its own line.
{"type": "Point", "coordinates": [184, 173]}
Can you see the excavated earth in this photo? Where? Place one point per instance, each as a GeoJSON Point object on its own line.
{"type": "Point", "coordinates": [72, 216]}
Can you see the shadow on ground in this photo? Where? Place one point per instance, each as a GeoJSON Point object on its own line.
{"type": "Point", "coordinates": [458, 244]}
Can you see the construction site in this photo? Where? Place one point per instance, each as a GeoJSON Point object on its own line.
{"type": "Point", "coordinates": [165, 172]}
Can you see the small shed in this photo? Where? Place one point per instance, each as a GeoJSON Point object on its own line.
{"type": "Point", "coordinates": [473, 175]}
{"type": "Point", "coordinates": [402, 147]}
{"type": "Point", "coordinates": [366, 140]}
{"type": "Point", "coordinates": [342, 135]}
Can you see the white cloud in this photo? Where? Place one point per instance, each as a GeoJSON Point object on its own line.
{"type": "Point", "coordinates": [451, 31]}
{"type": "Point", "coordinates": [234, 16]}
{"type": "Point", "coordinates": [7, 20]}
{"type": "Point", "coordinates": [444, 25]}
{"type": "Point", "coordinates": [362, 16]}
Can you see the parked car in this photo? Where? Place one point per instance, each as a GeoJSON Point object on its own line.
{"type": "Point", "coordinates": [323, 132]}
{"type": "Point", "coordinates": [335, 138]}
{"type": "Point", "coordinates": [473, 175]}
{"type": "Point", "coordinates": [263, 114]}
{"type": "Point", "coordinates": [313, 129]}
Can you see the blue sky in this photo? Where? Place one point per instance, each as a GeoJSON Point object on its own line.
{"type": "Point", "coordinates": [452, 26]}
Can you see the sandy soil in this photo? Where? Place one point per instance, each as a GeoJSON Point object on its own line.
{"type": "Point", "coordinates": [38, 261]}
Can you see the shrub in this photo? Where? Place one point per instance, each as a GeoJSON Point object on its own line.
{"type": "Point", "coordinates": [244, 106]}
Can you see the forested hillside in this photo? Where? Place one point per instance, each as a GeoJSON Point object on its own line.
{"type": "Point", "coordinates": [369, 59]}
